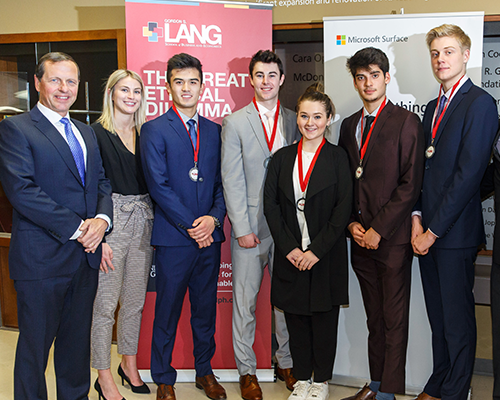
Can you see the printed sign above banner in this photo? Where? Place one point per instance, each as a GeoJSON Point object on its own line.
{"type": "Point", "coordinates": [306, 11]}
{"type": "Point", "coordinates": [223, 36]}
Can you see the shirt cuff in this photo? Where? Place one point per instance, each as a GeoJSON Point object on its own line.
{"type": "Point", "coordinates": [419, 213]}
{"type": "Point", "coordinates": [105, 218]}
{"type": "Point", "coordinates": [77, 233]}
{"type": "Point", "coordinates": [437, 237]}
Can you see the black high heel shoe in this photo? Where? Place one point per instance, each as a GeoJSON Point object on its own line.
{"type": "Point", "coordinates": [98, 389]}
{"type": "Point", "coordinates": [136, 389]}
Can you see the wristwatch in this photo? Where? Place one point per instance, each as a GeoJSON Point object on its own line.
{"type": "Point", "coordinates": [216, 221]}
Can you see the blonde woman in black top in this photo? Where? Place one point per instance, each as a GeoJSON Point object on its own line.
{"type": "Point", "coordinates": [127, 254]}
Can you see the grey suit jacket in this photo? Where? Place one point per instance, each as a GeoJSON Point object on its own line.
{"type": "Point", "coordinates": [244, 154]}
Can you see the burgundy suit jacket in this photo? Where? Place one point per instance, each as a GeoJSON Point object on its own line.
{"type": "Point", "coordinates": [392, 172]}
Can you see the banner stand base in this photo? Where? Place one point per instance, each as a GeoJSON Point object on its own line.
{"type": "Point", "coordinates": [224, 375]}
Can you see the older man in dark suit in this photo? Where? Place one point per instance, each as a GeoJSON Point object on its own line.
{"type": "Point", "coordinates": [385, 146]}
{"type": "Point", "coordinates": [51, 171]}
{"type": "Point", "coordinates": [459, 127]}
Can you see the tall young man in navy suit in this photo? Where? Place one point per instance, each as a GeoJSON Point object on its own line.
{"type": "Point", "coordinates": [447, 226]}
{"type": "Point", "coordinates": [181, 158]}
{"type": "Point", "coordinates": [52, 173]}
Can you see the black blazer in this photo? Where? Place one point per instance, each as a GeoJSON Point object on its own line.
{"type": "Point", "coordinates": [327, 211]}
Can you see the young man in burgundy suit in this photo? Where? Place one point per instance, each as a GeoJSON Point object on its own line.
{"type": "Point", "coordinates": [385, 145]}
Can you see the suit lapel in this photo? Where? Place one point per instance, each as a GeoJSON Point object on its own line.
{"type": "Point", "coordinates": [319, 176]}
{"type": "Point", "coordinates": [180, 129]}
{"type": "Point", "coordinates": [286, 185]}
{"type": "Point", "coordinates": [379, 124]}
{"type": "Point", "coordinates": [457, 99]}
{"type": "Point", "coordinates": [53, 135]}
{"type": "Point", "coordinates": [203, 140]}
{"type": "Point", "coordinates": [352, 144]}
{"type": "Point", "coordinates": [89, 143]}
{"type": "Point", "coordinates": [258, 130]}
{"type": "Point", "coordinates": [289, 125]}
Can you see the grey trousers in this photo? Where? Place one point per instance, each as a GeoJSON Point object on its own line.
{"type": "Point", "coordinates": [132, 258]}
{"type": "Point", "coordinates": [248, 271]}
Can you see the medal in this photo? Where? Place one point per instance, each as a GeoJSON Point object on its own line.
{"type": "Point", "coordinates": [362, 150]}
{"type": "Point", "coordinates": [436, 120]}
{"type": "Point", "coordinates": [301, 204]}
{"type": "Point", "coordinates": [266, 161]}
{"type": "Point", "coordinates": [193, 173]}
{"type": "Point", "coordinates": [429, 152]}
{"type": "Point", "coordinates": [359, 172]}
{"type": "Point", "coordinates": [303, 181]}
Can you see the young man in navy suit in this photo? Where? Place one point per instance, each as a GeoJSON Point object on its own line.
{"type": "Point", "coordinates": [181, 158]}
{"type": "Point", "coordinates": [385, 144]}
{"type": "Point", "coordinates": [447, 225]}
{"type": "Point", "coordinates": [51, 171]}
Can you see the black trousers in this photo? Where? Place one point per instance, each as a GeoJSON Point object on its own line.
{"type": "Point", "coordinates": [313, 343]}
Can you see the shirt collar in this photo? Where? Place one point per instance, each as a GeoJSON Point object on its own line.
{"type": "Point", "coordinates": [263, 110]}
{"type": "Point", "coordinates": [51, 115]}
{"type": "Point", "coordinates": [185, 118]}
{"type": "Point", "coordinates": [462, 81]}
{"type": "Point", "coordinates": [374, 113]}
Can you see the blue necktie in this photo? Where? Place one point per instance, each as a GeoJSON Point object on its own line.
{"type": "Point", "coordinates": [442, 102]}
{"type": "Point", "coordinates": [192, 131]}
{"type": "Point", "coordinates": [75, 148]}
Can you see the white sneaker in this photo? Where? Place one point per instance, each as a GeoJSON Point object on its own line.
{"type": "Point", "coordinates": [300, 390]}
{"type": "Point", "coordinates": [318, 391]}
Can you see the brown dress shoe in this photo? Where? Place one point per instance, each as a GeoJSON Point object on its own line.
{"type": "Point", "coordinates": [250, 389]}
{"type": "Point", "coordinates": [364, 394]}
{"type": "Point", "coordinates": [212, 388]}
{"type": "Point", "coordinates": [165, 392]}
{"type": "Point", "coordinates": [425, 396]}
{"type": "Point", "coordinates": [286, 375]}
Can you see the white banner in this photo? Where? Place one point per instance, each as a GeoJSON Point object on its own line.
{"type": "Point", "coordinates": [402, 38]}
{"type": "Point", "coordinates": [412, 86]}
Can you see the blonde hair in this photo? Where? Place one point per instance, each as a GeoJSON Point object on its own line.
{"type": "Point", "coordinates": [107, 119]}
{"type": "Point", "coordinates": [449, 30]}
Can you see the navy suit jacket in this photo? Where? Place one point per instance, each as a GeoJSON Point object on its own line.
{"type": "Point", "coordinates": [450, 200]}
{"type": "Point", "coordinates": [167, 157]}
{"type": "Point", "coordinates": [40, 178]}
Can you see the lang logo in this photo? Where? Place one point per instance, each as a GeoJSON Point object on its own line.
{"type": "Point", "coordinates": [180, 33]}
{"type": "Point", "coordinates": [341, 40]}
{"type": "Point", "coordinates": [152, 32]}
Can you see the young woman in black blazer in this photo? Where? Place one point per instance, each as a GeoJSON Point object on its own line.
{"type": "Point", "coordinates": [307, 203]}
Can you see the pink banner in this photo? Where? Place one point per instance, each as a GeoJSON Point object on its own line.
{"type": "Point", "coordinates": [223, 36]}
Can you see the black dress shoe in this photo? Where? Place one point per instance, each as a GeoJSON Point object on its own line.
{"type": "Point", "coordinates": [98, 389]}
{"type": "Point", "coordinates": [136, 389]}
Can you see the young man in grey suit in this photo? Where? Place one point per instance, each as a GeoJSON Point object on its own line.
{"type": "Point", "coordinates": [250, 136]}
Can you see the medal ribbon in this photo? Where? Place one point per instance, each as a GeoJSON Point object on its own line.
{"type": "Point", "coordinates": [304, 181]}
{"type": "Point", "coordinates": [365, 145]}
{"type": "Point", "coordinates": [197, 150]}
{"type": "Point", "coordinates": [270, 142]}
{"type": "Point", "coordinates": [435, 123]}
